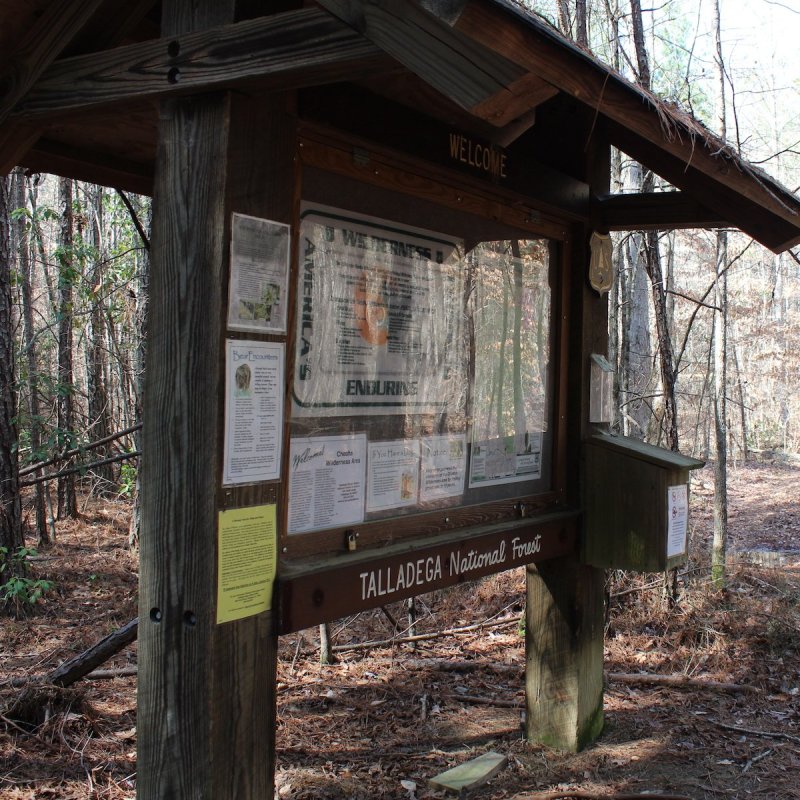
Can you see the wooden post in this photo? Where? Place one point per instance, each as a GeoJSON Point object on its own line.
{"type": "Point", "coordinates": [206, 703]}
{"type": "Point", "coordinates": [564, 654]}
{"type": "Point", "coordinates": [565, 599]}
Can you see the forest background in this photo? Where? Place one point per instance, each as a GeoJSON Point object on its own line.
{"type": "Point", "coordinates": [704, 340]}
{"type": "Point", "coordinates": [704, 325]}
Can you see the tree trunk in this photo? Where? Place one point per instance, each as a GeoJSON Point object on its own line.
{"type": "Point", "coordinates": [720, 336]}
{"type": "Point", "coordinates": [638, 362]}
{"type": "Point", "coordinates": [581, 27]}
{"type": "Point", "coordinates": [140, 357]}
{"type": "Point", "coordinates": [665, 351]}
{"type": "Point", "coordinates": [24, 261]}
{"type": "Point", "coordinates": [642, 61]}
{"type": "Point", "coordinates": [67, 500]}
{"type": "Point", "coordinates": [11, 536]}
{"type": "Point", "coordinates": [100, 425]}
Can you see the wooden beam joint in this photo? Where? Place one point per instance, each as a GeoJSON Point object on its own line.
{"type": "Point", "coordinates": [652, 211]}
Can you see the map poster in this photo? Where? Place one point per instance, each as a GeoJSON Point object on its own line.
{"type": "Point", "coordinates": [380, 311]}
{"type": "Point", "coordinates": [259, 273]}
{"type": "Point", "coordinates": [254, 388]}
{"type": "Point", "coordinates": [393, 474]}
{"type": "Point", "coordinates": [506, 459]}
{"type": "Point", "coordinates": [327, 477]}
{"type": "Point", "coordinates": [444, 466]}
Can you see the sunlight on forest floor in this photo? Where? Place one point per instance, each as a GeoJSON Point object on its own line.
{"type": "Point", "coordinates": [382, 722]}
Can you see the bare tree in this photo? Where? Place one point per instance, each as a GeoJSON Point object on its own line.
{"type": "Point", "coordinates": [21, 246]}
{"type": "Point", "coordinates": [67, 499]}
{"type": "Point", "coordinates": [11, 537]}
{"type": "Point", "coordinates": [720, 337]}
{"type": "Point", "coordinates": [100, 423]}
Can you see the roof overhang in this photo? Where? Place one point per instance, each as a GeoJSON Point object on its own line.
{"type": "Point", "coordinates": [70, 108]}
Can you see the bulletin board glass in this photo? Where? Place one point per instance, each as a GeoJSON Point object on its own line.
{"type": "Point", "coordinates": [422, 370]}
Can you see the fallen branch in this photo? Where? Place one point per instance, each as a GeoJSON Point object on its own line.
{"type": "Point", "coordinates": [81, 468]}
{"type": "Point", "coordinates": [67, 454]}
{"type": "Point", "coordinates": [422, 637]}
{"type": "Point", "coordinates": [682, 681]}
{"type": "Point", "coordinates": [80, 666]}
{"type": "Point", "coordinates": [752, 732]}
{"type": "Point", "coordinates": [579, 795]}
{"type": "Point", "coordinates": [446, 665]}
{"type": "Point", "coordinates": [483, 701]}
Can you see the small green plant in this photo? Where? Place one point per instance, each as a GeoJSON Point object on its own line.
{"type": "Point", "coordinates": [19, 590]}
{"type": "Point", "coordinates": [127, 480]}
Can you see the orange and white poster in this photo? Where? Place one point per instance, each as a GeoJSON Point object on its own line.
{"type": "Point", "coordinates": [379, 318]}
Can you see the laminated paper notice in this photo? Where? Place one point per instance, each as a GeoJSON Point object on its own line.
{"type": "Point", "coordinates": [393, 479]}
{"type": "Point", "coordinates": [259, 275]}
{"type": "Point", "coordinates": [247, 554]}
{"type": "Point", "coordinates": [253, 411]}
{"type": "Point", "coordinates": [444, 466]}
{"type": "Point", "coordinates": [506, 460]}
{"type": "Point", "coordinates": [678, 511]}
{"type": "Point", "coordinates": [327, 476]}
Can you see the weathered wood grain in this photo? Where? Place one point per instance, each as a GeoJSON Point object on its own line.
{"type": "Point", "coordinates": [290, 49]}
{"type": "Point", "coordinates": [40, 45]}
{"type": "Point", "coordinates": [15, 142]}
{"type": "Point", "coordinates": [461, 69]}
{"type": "Point", "coordinates": [517, 100]}
{"type": "Point", "coordinates": [564, 654]}
{"type": "Point", "coordinates": [179, 474]}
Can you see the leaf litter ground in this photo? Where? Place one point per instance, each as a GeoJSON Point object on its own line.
{"type": "Point", "coordinates": [383, 720]}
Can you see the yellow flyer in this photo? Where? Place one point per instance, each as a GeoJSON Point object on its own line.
{"type": "Point", "coordinates": [247, 557]}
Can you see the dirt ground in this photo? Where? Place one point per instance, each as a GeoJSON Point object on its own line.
{"type": "Point", "coordinates": [385, 719]}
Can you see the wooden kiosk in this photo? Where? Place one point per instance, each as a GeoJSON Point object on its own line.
{"type": "Point", "coordinates": [372, 327]}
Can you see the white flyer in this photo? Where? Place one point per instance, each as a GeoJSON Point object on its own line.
{"type": "Point", "coordinates": [327, 477]}
{"type": "Point", "coordinates": [444, 466]}
{"type": "Point", "coordinates": [678, 519]}
{"type": "Point", "coordinates": [254, 387]}
{"type": "Point", "coordinates": [259, 275]}
{"type": "Point", "coordinates": [393, 474]}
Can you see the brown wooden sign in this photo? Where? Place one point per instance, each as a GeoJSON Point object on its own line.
{"type": "Point", "coordinates": [317, 591]}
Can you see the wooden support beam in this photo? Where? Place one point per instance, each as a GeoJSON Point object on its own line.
{"type": "Point", "coordinates": [519, 100]}
{"type": "Point", "coordinates": [206, 691]}
{"type": "Point", "coordinates": [754, 218]}
{"type": "Point", "coordinates": [40, 46]}
{"type": "Point", "coordinates": [89, 165]}
{"type": "Point", "coordinates": [484, 82]}
{"type": "Point", "coordinates": [295, 48]}
{"type": "Point", "coordinates": [652, 211]}
{"type": "Point", "coordinates": [564, 654]}
{"type": "Point", "coordinates": [15, 142]}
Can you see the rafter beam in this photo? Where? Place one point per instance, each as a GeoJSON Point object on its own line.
{"type": "Point", "coordinates": [755, 219]}
{"type": "Point", "coordinates": [295, 48]}
{"type": "Point", "coordinates": [482, 81]}
{"type": "Point", "coordinates": [41, 45]}
{"type": "Point", "coordinates": [91, 166]}
{"type": "Point", "coordinates": [15, 142]}
{"type": "Point", "coordinates": [507, 30]}
{"type": "Point", "coordinates": [653, 211]}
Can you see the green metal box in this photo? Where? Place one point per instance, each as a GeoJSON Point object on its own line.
{"type": "Point", "coordinates": [635, 504]}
